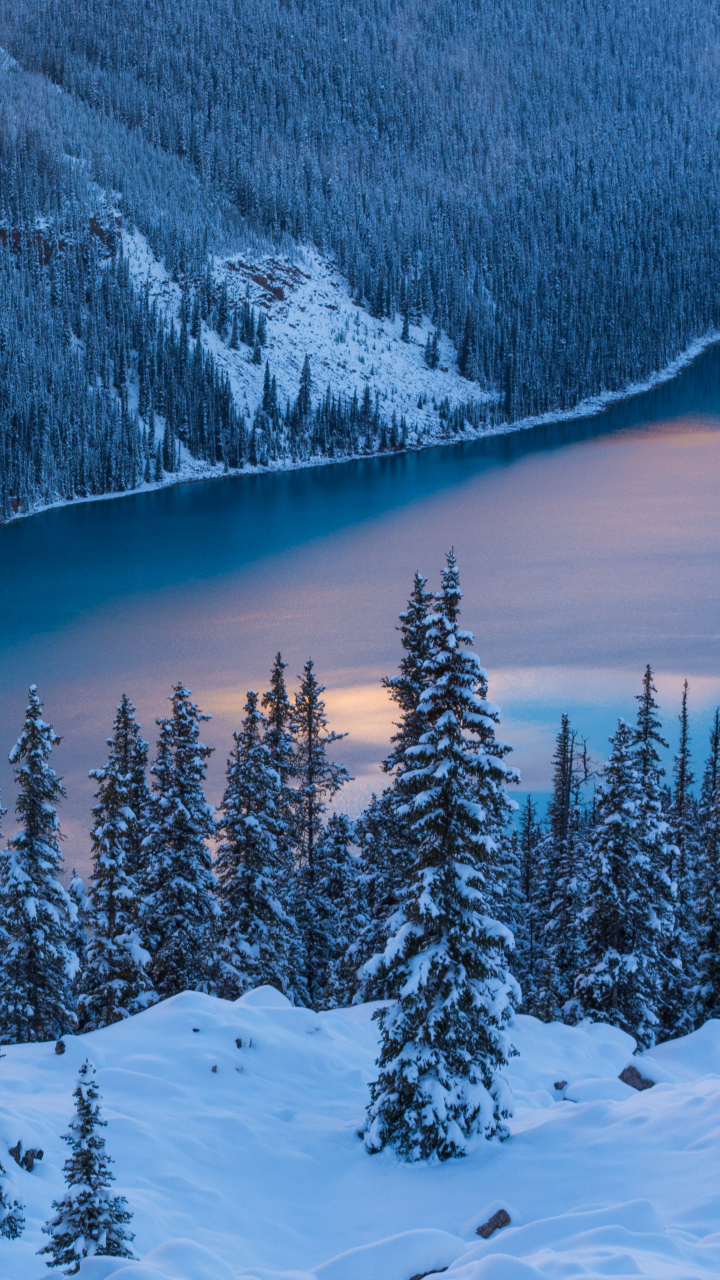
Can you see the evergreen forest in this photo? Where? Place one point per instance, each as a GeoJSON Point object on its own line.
{"type": "Point", "coordinates": [537, 182]}
{"type": "Point", "coordinates": [433, 901]}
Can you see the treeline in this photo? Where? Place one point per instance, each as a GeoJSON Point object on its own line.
{"type": "Point", "coordinates": [608, 910]}
{"type": "Point", "coordinates": [535, 180]}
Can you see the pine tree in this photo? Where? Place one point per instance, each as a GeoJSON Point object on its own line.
{"type": "Point", "coordinates": [89, 1222]}
{"type": "Point", "coordinates": [179, 910]}
{"type": "Point", "coordinates": [678, 1012]}
{"type": "Point", "coordinates": [304, 401]}
{"type": "Point", "coordinates": [383, 839]}
{"type": "Point", "coordinates": [12, 1215]}
{"type": "Point", "coordinates": [114, 983]}
{"type": "Point", "coordinates": [260, 941]}
{"type": "Point", "coordinates": [654, 833]}
{"type": "Point", "coordinates": [708, 884]}
{"type": "Point", "coordinates": [620, 978]}
{"type": "Point", "coordinates": [318, 779]}
{"type": "Point", "coordinates": [443, 1043]}
{"type": "Point", "coordinates": [36, 962]}
{"type": "Point", "coordinates": [335, 919]}
{"type": "Point", "coordinates": [77, 936]}
{"type": "Point", "coordinates": [406, 689]}
{"type": "Point", "coordinates": [562, 857]}
{"type": "Point", "coordinates": [528, 952]}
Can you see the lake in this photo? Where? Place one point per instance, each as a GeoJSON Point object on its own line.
{"type": "Point", "coordinates": [586, 549]}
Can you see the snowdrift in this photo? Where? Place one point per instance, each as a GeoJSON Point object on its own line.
{"type": "Point", "coordinates": [234, 1129]}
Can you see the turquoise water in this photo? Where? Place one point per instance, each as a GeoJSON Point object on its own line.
{"type": "Point", "coordinates": [586, 550]}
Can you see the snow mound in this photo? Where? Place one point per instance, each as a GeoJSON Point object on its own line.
{"type": "Point", "coordinates": [265, 997]}
{"type": "Point", "coordinates": [256, 1169]}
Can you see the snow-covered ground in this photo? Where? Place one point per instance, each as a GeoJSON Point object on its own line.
{"type": "Point", "coordinates": [309, 311]}
{"type": "Point", "coordinates": [257, 1168]}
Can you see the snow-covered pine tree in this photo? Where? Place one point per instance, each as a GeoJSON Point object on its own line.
{"type": "Point", "coordinates": [619, 981]}
{"type": "Point", "coordinates": [180, 913]}
{"type": "Point", "coordinates": [12, 1213]}
{"type": "Point", "coordinates": [129, 752]}
{"type": "Point", "coordinates": [36, 962]}
{"type": "Point", "coordinates": [443, 1040]}
{"type": "Point", "coordinates": [708, 884]}
{"type": "Point", "coordinates": [77, 937]}
{"type": "Point", "coordinates": [88, 1222]}
{"type": "Point", "coordinates": [338, 911]}
{"type": "Point", "coordinates": [382, 840]}
{"type": "Point", "coordinates": [387, 841]}
{"type": "Point", "coordinates": [113, 983]}
{"type": "Point", "coordinates": [677, 1013]}
{"type": "Point", "coordinates": [654, 833]}
{"type": "Point", "coordinates": [279, 721]}
{"type": "Point", "coordinates": [563, 857]}
{"type": "Point", "coordinates": [406, 689]}
{"type": "Point", "coordinates": [319, 779]}
{"type": "Point", "coordinates": [528, 934]}
{"type": "Point", "coordinates": [260, 941]}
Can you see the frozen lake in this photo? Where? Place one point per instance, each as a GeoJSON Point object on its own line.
{"type": "Point", "coordinates": [586, 550]}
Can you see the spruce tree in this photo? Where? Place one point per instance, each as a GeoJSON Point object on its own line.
{"type": "Point", "coordinates": [620, 978]}
{"type": "Point", "coordinates": [406, 689]}
{"type": "Point", "coordinates": [337, 916]}
{"type": "Point", "coordinates": [708, 884]}
{"type": "Point", "coordinates": [77, 936]}
{"type": "Point", "coordinates": [562, 857]}
{"type": "Point", "coordinates": [114, 983]}
{"type": "Point", "coordinates": [36, 961]}
{"type": "Point", "coordinates": [443, 1040]}
{"type": "Point", "coordinates": [179, 909]}
{"type": "Point", "coordinates": [678, 1013]}
{"type": "Point", "coordinates": [318, 780]}
{"type": "Point", "coordinates": [260, 942]}
{"type": "Point", "coordinates": [386, 840]}
{"type": "Point", "coordinates": [88, 1222]}
{"type": "Point", "coordinates": [528, 952]}
{"type": "Point", "coordinates": [654, 834]}
{"type": "Point", "coordinates": [12, 1215]}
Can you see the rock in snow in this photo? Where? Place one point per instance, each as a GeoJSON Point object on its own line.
{"type": "Point", "coordinates": [259, 1173]}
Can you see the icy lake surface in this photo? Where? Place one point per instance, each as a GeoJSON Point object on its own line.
{"type": "Point", "coordinates": [586, 550]}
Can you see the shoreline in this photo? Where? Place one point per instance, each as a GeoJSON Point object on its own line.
{"type": "Point", "coordinates": [195, 472]}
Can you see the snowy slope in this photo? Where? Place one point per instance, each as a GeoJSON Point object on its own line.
{"type": "Point", "coordinates": [257, 1167]}
{"type": "Point", "coordinates": [309, 311]}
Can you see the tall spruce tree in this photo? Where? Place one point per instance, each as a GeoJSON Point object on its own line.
{"type": "Point", "coordinates": [708, 884]}
{"type": "Point", "coordinates": [443, 1040]}
{"type": "Point", "coordinates": [678, 1004]}
{"type": "Point", "coordinates": [620, 978]}
{"type": "Point", "coordinates": [528, 933]}
{"type": "Point", "coordinates": [260, 942]}
{"type": "Point", "coordinates": [563, 856]}
{"type": "Point", "coordinates": [36, 962]}
{"type": "Point", "coordinates": [386, 838]}
{"type": "Point", "coordinates": [114, 983]}
{"type": "Point", "coordinates": [180, 913]}
{"type": "Point", "coordinates": [338, 913]}
{"type": "Point", "coordinates": [654, 831]}
{"type": "Point", "coordinates": [318, 779]}
{"type": "Point", "coordinates": [406, 689]}
{"type": "Point", "coordinates": [88, 1222]}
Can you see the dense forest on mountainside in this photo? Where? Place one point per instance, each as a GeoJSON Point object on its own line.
{"type": "Point", "coordinates": [539, 182]}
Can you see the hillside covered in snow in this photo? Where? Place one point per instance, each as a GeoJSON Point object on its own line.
{"type": "Point", "coordinates": [234, 1130]}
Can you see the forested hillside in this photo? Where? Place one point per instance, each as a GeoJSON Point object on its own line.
{"type": "Point", "coordinates": [537, 182]}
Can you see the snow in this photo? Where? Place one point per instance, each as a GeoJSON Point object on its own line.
{"type": "Point", "coordinates": [309, 311]}
{"type": "Point", "coordinates": [256, 1170]}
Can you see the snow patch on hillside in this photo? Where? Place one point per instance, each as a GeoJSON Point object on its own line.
{"type": "Point", "coordinates": [256, 1169]}
{"type": "Point", "coordinates": [310, 312]}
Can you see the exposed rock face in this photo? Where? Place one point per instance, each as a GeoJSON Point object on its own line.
{"type": "Point", "coordinates": [631, 1075]}
{"type": "Point", "coordinates": [498, 1220]}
